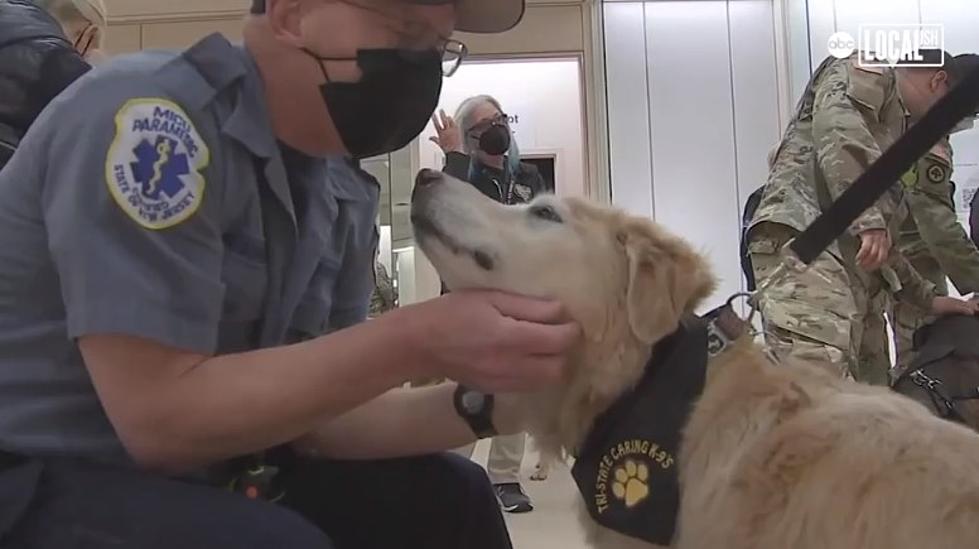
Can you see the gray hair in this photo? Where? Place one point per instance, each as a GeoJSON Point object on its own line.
{"type": "Point", "coordinates": [464, 118]}
{"type": "Point", "coordinates": [72, 11]}
{"type": "Point", "coordinates": [464, 115]}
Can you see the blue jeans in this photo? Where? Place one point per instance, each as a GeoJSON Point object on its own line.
{"type": "Point", "coordinates": [433, 502]}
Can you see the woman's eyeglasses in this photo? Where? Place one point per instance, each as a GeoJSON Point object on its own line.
{"type": "Point", "coordinates": [499, 120]}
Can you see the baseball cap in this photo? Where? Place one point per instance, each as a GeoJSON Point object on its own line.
{"type": "Point", "coordinates": [962, 66]}
{"type": "Point", "coordinates": [479, 16]}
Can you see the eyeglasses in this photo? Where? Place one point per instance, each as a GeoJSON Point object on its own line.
{"type": "Point", "coordinates": [453, 52]}
{"type": "Point", "coordinates": [499, 120]}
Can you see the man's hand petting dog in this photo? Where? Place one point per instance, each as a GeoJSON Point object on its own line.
{"type": "Point", "coordinates": [497, 342]}
{"type": "Point", "coordinates": [944, 305]}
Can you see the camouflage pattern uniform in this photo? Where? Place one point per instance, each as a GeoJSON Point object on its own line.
{"type": "Point", "coordinates": [832, 314]}
{"type": "Point", "coordinates": [383, 299]}
{"type": "Point", "coordinates": [933, 241]}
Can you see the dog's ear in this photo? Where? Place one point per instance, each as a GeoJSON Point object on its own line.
{"type": "Point", "coordinates": [667, 279]}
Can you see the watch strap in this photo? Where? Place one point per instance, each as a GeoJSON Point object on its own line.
{"type": "Point", "coordinates": [481, 420]}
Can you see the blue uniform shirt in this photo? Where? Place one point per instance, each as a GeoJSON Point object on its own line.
{"type": "Point", "coordinates": [151, 199]}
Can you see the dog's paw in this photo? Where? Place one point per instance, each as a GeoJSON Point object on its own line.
{"type": "Point", "coordinates": [630, 484]}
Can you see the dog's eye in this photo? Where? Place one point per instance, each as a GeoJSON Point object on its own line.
{"type": "Point", "coordinates": [546, 213]}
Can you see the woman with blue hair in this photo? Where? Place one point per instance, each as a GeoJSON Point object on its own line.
{"type": "Point", "coordinates": [480, 149]}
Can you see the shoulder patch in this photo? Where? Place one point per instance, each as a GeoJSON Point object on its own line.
{"type": "Point", "coordinates": [910, 177]}
{"type": "Point", "coordinates": [154, 164]}
{"type": "Point", "coordinates": [936, 173]}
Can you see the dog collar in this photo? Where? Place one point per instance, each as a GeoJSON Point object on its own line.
{"type": "Point", "coordinates": [725, 327]}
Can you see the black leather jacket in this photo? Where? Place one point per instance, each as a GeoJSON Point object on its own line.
{"type": "Point", "coordinates": [36, 63]}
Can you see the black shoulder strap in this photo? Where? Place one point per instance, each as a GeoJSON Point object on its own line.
{"type": "Point", "coordinates": [958, 104]}
{"type": "Point", "coordinates": [754, 199]}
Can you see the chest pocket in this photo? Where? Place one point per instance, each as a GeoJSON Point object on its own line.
{"type": "Point", "coordinates": [352, 294]}
{"type": "Point", "coordinates": [313, 310]}
{"type": "Point", "coordinates": [245, 277]}
{"type": "Point", "coordinates": [337, 294]}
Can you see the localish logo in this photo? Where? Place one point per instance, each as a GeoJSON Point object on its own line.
{"type": "Point", "coordinates": [887, 44]}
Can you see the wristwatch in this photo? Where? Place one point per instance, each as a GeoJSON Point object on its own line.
{"type": "Point", "coordinates": [477, 409]}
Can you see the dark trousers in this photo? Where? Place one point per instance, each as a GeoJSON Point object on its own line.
{"type": "Point", "coordinates": [434, 502]}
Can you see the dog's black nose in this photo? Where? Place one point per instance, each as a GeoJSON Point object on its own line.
{"type": "Point", "coordinates": [427, 177]}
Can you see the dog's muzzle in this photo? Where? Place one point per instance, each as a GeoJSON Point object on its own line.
{"type": "Point", "coordinates": [426, 210]}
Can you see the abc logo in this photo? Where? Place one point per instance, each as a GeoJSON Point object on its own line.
{"type": "Point", "coordinates": [841, 45]}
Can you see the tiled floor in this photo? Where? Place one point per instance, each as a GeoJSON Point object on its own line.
{"type": "Point", "coordinates": [553, 524]}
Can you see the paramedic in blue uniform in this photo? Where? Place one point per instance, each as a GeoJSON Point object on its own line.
{"type": "Point", "coordinates": [182, 285]}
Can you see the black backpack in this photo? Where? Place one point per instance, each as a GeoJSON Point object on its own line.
{"type": "Point", "coordinates": [944, 375]}
{"type": "Point", "coordinates": [749, 212]}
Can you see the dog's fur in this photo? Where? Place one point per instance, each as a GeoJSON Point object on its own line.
{"type": "Point", "coordinates": [773, 457]}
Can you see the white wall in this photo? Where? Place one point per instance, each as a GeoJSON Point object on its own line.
{"type": "Point", "coordinates": [542, 96]}
{"type": "Point", "coordinates": [693, 113]}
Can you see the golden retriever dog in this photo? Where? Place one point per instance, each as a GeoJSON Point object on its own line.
{"type": "Point", "coordinates": [773, 456]}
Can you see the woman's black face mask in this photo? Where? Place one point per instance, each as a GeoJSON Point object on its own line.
{"type": "Point", "coordinates": [390, 105]}
{"type": "Point", "coordinates": [495, 140]}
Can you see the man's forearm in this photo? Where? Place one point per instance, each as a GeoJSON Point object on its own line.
{"type": "Point", "coordinates": [400, 423]}
{"type": "Point", "coordinates": [238, 404]}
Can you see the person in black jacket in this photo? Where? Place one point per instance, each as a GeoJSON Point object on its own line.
{"type": "Point", "coordinates": [37, 62]}
{"type": "Point", "coordinates": [480, 149]}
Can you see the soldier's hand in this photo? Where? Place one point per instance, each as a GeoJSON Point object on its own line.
{"type": "Point", "coordinates": [944, 305]}
{"type": "Point", "coordinates": [874, 247]}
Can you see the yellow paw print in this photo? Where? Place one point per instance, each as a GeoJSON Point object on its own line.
{"type": "Point", "coordinates": [630, 483]}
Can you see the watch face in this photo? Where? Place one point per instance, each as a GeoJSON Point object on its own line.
{"type": "Point", "coordinates": [472, 401]}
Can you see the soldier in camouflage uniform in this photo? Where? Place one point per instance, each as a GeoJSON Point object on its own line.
{"type": "Point", "coordinates": [831, 315]}
{"type": "Point", "coordinates": [934, 242]}
{"type": "Point", "coordinates": [384, 298]}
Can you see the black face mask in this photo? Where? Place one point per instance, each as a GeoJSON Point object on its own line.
{"type": "Point", "coordinates": [495, 140]}
{"type": "Point", "coordinates": [390, 105]}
